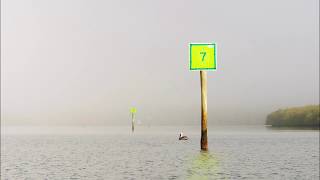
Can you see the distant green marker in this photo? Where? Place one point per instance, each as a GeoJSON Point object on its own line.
{"type": "Point", "coordinates": [133, 111]}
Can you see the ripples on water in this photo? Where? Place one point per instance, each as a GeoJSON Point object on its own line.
{"type": "Point", "coordinates": [157, 154]}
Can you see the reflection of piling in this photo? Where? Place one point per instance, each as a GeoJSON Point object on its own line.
{"type": "Point", "coordinates": [204, 136]}
{"type": "Point", "coordinates": [204, 166]}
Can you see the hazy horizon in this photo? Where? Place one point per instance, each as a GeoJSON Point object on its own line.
{"type": "Point", "coordinates": [87, 62]}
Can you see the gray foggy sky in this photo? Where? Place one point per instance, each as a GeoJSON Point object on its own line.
{"type": "Point", "coordinates": [79, 62]}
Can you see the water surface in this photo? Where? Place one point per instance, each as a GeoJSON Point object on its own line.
{"type": "Point", "coordinates": [155, 153]}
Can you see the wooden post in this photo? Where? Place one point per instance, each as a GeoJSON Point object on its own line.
{"type": "Point", "coordinates": [204, 136]}
{"type": "Point", "coordinates": [132, 116]}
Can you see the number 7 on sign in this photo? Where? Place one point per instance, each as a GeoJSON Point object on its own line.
{"type": "Point", "coordinates": [203, 53]}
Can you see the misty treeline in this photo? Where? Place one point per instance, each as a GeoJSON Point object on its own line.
{"type": "Point", "coordinates": [307, 116]}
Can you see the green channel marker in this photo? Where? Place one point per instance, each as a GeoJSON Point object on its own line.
{"type": "Point", "coordinates": [202, 56]}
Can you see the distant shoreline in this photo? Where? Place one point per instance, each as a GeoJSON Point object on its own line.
{"type": "Point", "coordinates": [297, 117]}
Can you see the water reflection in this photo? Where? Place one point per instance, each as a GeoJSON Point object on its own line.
{"type": "Point", "coordinates": [204, 165]}
{"type": "Point", "coordinates": [292, 128]}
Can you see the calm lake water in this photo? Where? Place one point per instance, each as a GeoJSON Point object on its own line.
{"type": "Point", "coordinates": [155, 153]}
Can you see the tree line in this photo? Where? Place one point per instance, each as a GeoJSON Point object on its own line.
{"type": "Point", "coordinates": [306, 116]}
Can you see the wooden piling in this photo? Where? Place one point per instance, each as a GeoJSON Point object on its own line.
{"type": "Point", "coordinates": [204, 136]}
{"type": "Point", "coordinates": [132, 116]}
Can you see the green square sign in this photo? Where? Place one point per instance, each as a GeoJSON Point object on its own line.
{"type": "Point", "coordinates": [202, 56]}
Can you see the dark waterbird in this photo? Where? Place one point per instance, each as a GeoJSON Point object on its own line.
{"type": "Point", "coordinates": [182, 137]}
